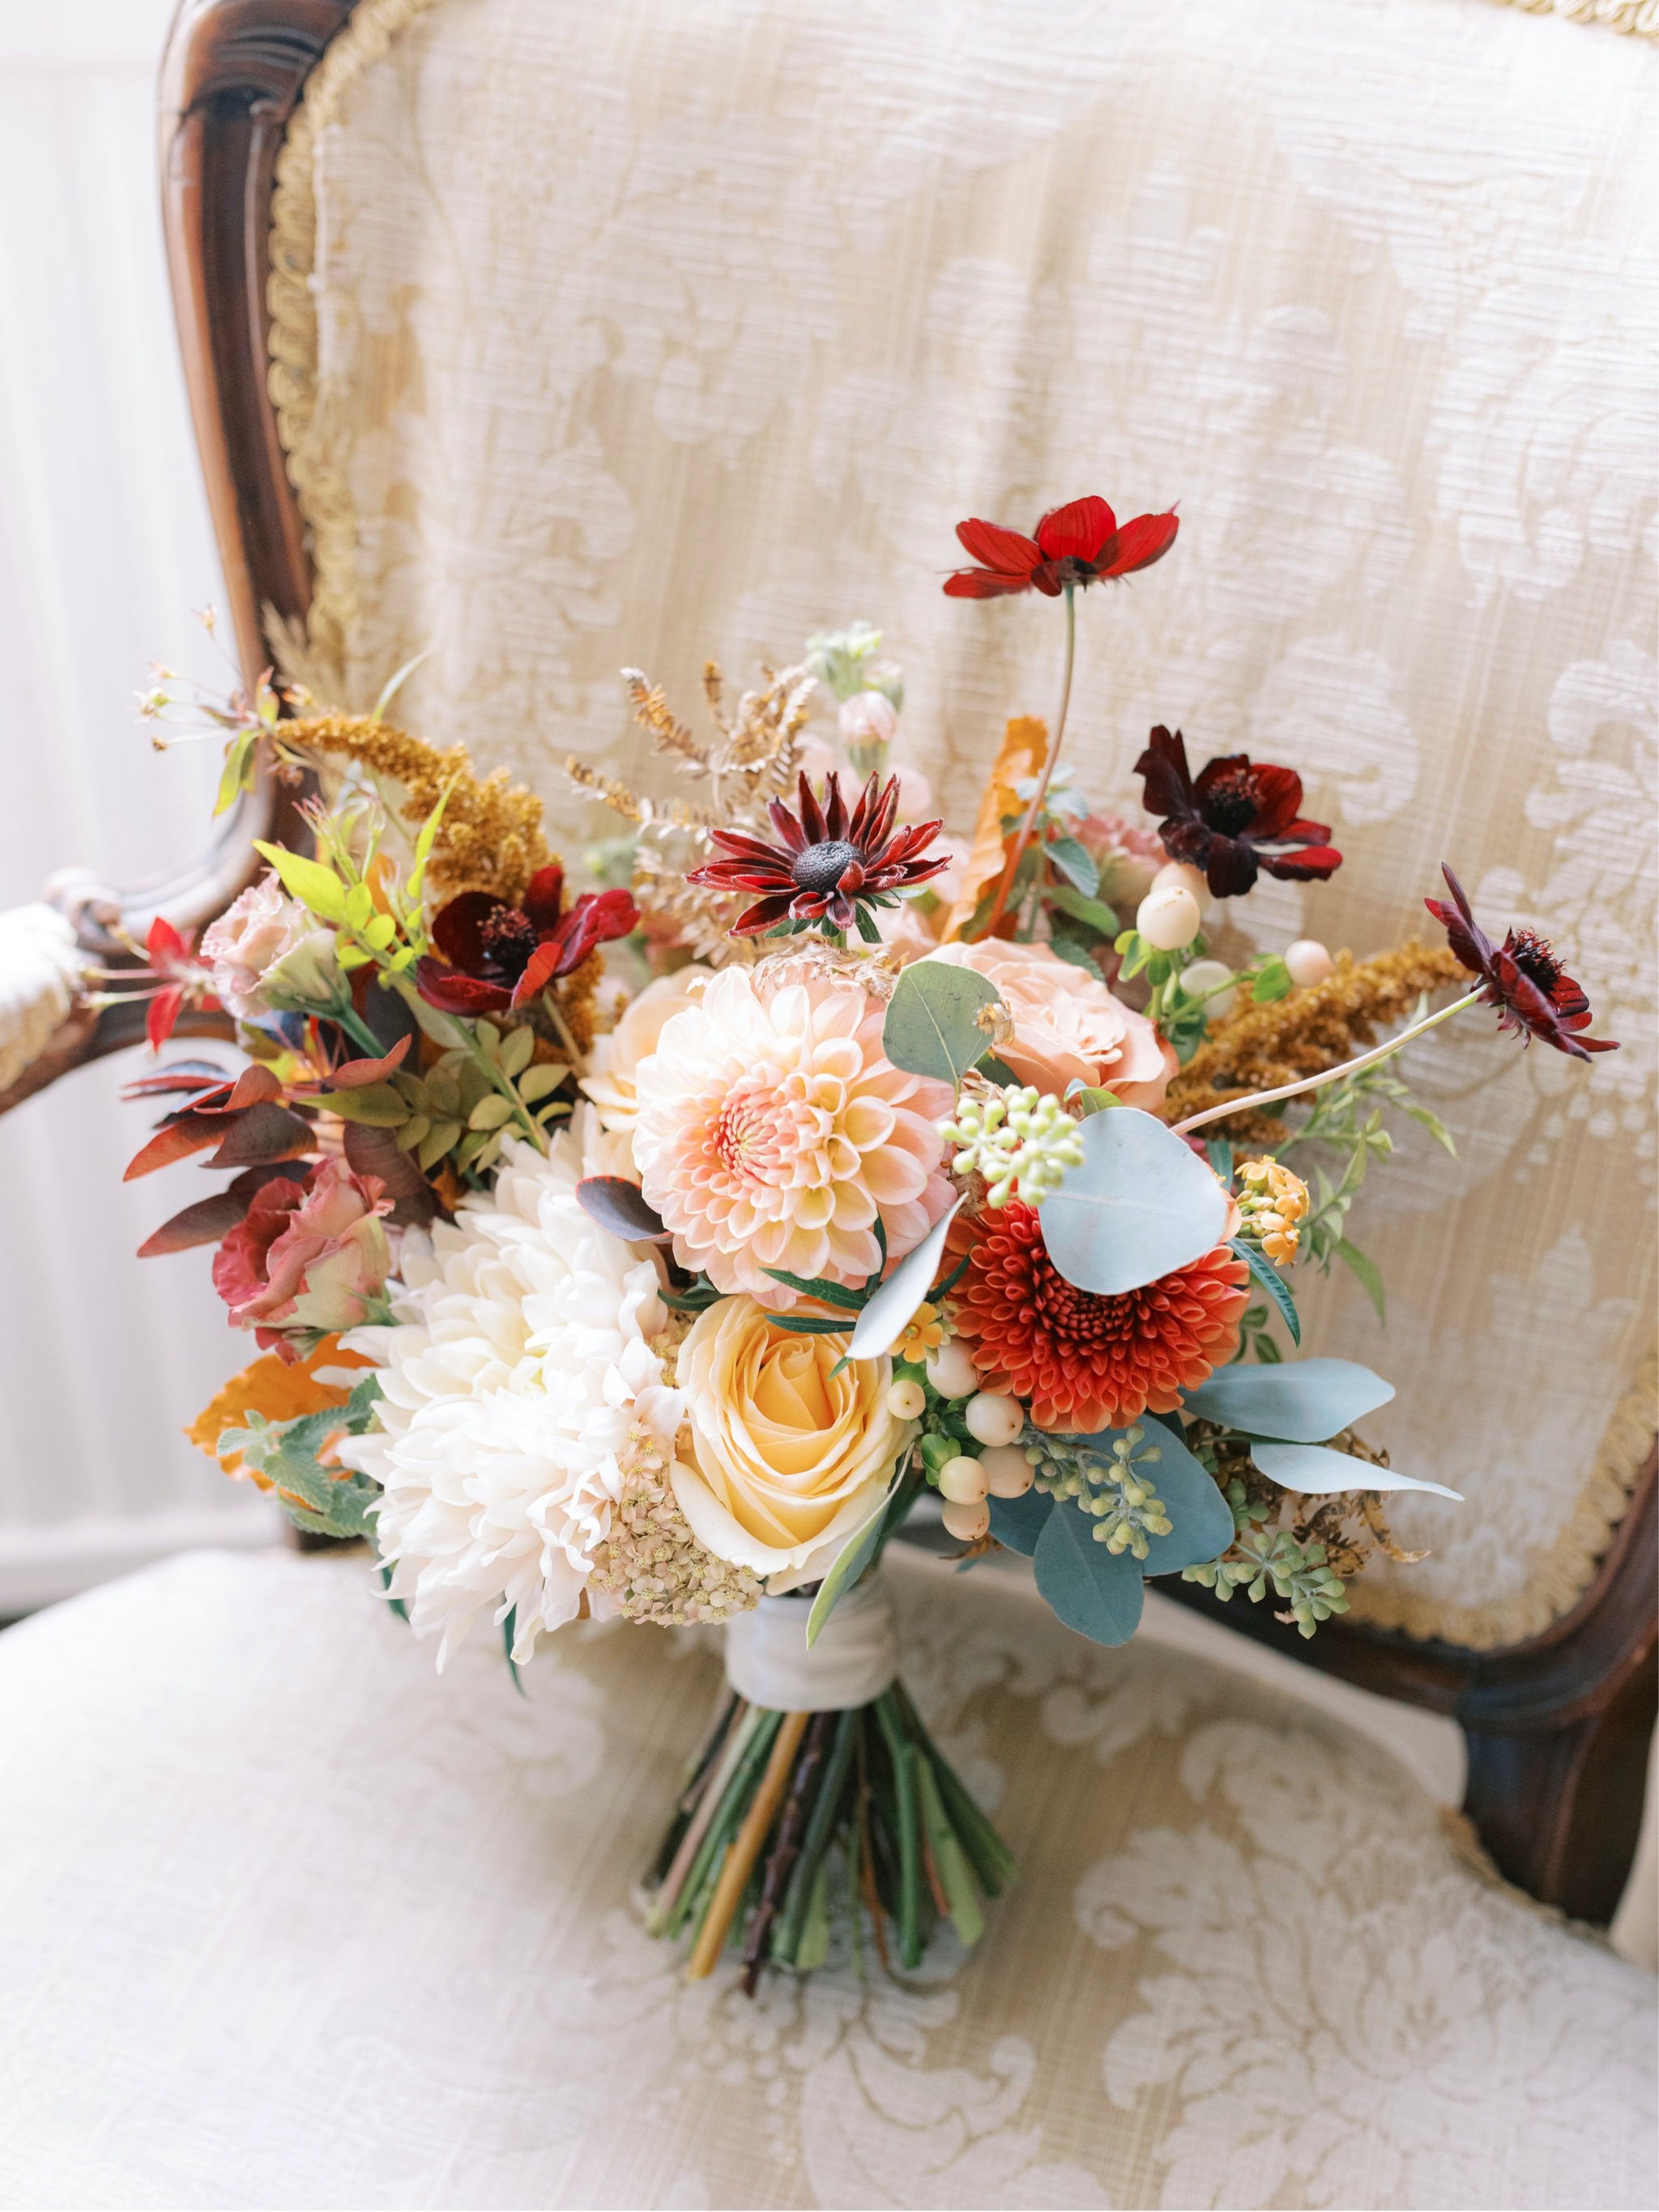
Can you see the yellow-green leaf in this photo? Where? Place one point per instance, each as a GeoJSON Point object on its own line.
{"type": "Point", "coordinates": [380, 931]}
{"type": "Point", "coordinates": [536, 1082]}
{"type": "Point", "coordinates": [315, 886]}
{"type": "Point", "coordinates": [376, 1104]}
{"type": "Point", "coordinates": [517, 1046]}
{"type": "Point", "coordinates": [438, 1141]}
{"type": "Point", "coordinates": [489, 1113]}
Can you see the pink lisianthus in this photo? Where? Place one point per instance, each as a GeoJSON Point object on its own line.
{"type": "Point", "coordinates": [309, 1258]}
{"type": "Point", "coordinates": [1127, 857]}
{"type": "Point", "coordinates": [1068, 1025]}
{"type": "Point", "coordinates": [250, 937]}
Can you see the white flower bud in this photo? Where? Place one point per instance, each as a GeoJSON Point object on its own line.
{"type": "Point", "coordinates": [962, 1481]}
{"type": "Point", "coordinates": [951, 1371]}
{"type": "Point", "coordinates": [1169, 919]}
{"type": "Point", "coordinates": [1309, 962]}
{"type": "Point", "coordinates": [907, 1400]}
{"type": "Point", "coordinates": [993, 1418]}
{"type": "Point", "coordinates": [1205, 975]}
{"type": "Point", "coordinates": [967, 1522]}
{"type": "Point", "coordinates": [1183, 873]}
{"type": "Point", "coordinates": [1008, 1471]}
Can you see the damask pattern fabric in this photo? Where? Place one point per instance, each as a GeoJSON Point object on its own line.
{"type": "Point", "coordinates": [290, 1921]}
{"type": "Point", "coordinates": [632, 334]}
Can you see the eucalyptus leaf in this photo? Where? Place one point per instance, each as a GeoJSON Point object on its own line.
{"type": "Point", "coordinates": [1093, 912]}
{"type": "Point", "coordinates": [622, 1207]}
{"type": "Point", "coordinates": [932, 1026]}
{"type": "Point", "coordinates": [1141, 1205]}
{"type": "Point", "coordinates": [1017, 1523]}
{"type": "Point", "coordinates": [1271, 1281]}
{"type": "Point", "coordinates": [1301, 1401]}
{"type": "Point", "coordinates": [1202, 1519]}
{"type": "Point", "coordinates": [893, 1307]}
{"type": "Point", "coordinates": [1317, 1470]}
{"type": "Point", "coordinates": [853, 1557]}
{"type": "Point", "coordinates": [1096, 1591]}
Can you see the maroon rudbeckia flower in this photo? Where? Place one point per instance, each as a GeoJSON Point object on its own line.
{"type": "Point", "coordinates": [1079, 543]}
{"type": "Point", "coordinates": [495, 957]}
{"type": "Point", "coordinates": [1234, 819]}
{"type": "Point", "coordinates": [1522, 977]}
{"type": "Point", "coordinates": [827, 869]}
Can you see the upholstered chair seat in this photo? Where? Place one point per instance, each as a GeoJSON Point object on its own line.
{"type": "Point", "coordinates": [287, 1921]}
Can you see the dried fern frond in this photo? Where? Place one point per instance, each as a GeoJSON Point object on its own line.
{"type": "Point", "coordinates": [1263, 1047]}
{"type": "Point", "coordinates": [651, 712]}
{"type": "Point", "coordinates": [490, 838]}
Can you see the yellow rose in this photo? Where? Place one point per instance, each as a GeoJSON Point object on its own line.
{"type": "Point", "coordinates": [787, 1457]}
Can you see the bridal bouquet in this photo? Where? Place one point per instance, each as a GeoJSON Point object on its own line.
{"type": "Point", "coordinates": [658, 1252]}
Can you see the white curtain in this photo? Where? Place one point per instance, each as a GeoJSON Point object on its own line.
{"type": "Point", "coordinates": [105, 550]}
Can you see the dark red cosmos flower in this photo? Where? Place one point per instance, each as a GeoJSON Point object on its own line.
{"type": "Point", "coordinates": [1077, 543]}
{"type": "Point", "coordinates": [828, 871]}
{"type": "Point", "coordinates": [497, 956]}
{"type": "Point", "coordinates": [1225, 820]}
{"type": "Point", "coordinates": [1533, 993]}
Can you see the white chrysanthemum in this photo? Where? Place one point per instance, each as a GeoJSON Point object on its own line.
{"type": "Point", "coordinates": [522, 1361]}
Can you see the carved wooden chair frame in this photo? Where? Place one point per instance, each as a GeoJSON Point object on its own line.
{"type": "Point", "coordinates": [1558, 1728]}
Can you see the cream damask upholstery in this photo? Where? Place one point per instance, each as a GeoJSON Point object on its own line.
{"type": "Point", "coordinates": [629, 334]}
{"type": "Point", "coordinates": [289, 1922]}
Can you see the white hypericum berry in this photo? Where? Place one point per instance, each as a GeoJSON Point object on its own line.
{"type": "Point", "coordinates": [1209, 975]}
{"type": "Point", "coordinates": [1309, 962]}
{"type": "Point", "coordinates": [993, 1418]}
{"type": "Point", "coordinates": [962, 1481]}
{"type": "Point", "coordinates": [967, 1523]}
{"type": "Point", "coordinates": [952, 1372]}
{"type": "Point", "coordinates": [1008, 1471]}
{"type": "Point", "coordinates": [1187, 877]}
{"type": "Point", "coordinates": [1169, 919]}
{"type": "Point", "coordinates": [907, 1400]}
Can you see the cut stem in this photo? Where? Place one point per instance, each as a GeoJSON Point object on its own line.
{"type": "Point", "coordinates": [746, 1849]}
{"type": "Point", "coordinates": [1255, 1098]}
{"type": "Point", "coordinates": [1027, 828]}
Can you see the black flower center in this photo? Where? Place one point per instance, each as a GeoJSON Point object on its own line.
{"type": "Point", "coordinates": [508, 939]}
{"type": "Point", "coordinates": [1232, 803]}
{"type": "Point", "coordinates": [821, 867]}
{"type": "Point", "coordinates": [1534, 957]}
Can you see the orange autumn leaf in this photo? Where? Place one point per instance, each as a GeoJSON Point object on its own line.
{"type": "Point", "coordinates": [280, 1392]}
{"type": "Point", "coordinates": [1024, 750]}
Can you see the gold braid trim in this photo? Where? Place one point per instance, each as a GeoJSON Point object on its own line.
{"type": "Point", "coordinates": [317, 655]}
{"type": "Point", "coordinates": [1633, 19]}
{"type": "Point", "coordinates": [1557, 1577]}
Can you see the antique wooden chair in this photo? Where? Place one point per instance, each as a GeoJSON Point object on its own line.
{"type": "Point", "coordinates": [539, 340]}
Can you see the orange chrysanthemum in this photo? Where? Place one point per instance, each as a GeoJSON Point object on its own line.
{"type": "Point", "coordinates": [1084, 1363]}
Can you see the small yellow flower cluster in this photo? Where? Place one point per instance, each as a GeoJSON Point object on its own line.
{"type": "Point", "coordinates": [1273, 1202]}
{"type": "Point", "coordinates": [924, 1336]}
{"type": "Point", "coordinates": [652, 1563]}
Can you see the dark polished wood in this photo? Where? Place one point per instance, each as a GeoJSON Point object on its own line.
{"type": "Point", "coordinates": [1558, 1727]}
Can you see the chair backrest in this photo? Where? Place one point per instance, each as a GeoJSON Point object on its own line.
{"type": "Point", "coordinates": [630, 335]}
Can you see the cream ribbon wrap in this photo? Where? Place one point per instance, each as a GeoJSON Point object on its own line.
{"type": "Point", "coordinates": [854, 1660]}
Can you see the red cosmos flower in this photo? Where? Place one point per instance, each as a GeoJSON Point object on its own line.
{"type": "Point", "coordinates": [1079, 543]}
{"type": "Point", "coordinates": [828, 869]}
{"type": "Point", "coordinates": [497, 956]}
{"type": "Point", "coordinates": [1224, 822]}
{"type": "Point", "coordinates": [1533, 993]}
{"type": "Point", "coordinates": [183, 979]}
{"type": "Point", "coordinates": [1084, 1363]}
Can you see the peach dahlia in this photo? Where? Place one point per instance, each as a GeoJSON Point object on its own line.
{"type": "Point", "coordinates": [1084, 1363]}
{"type": "Point", "coordinates": [773, 1132]}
